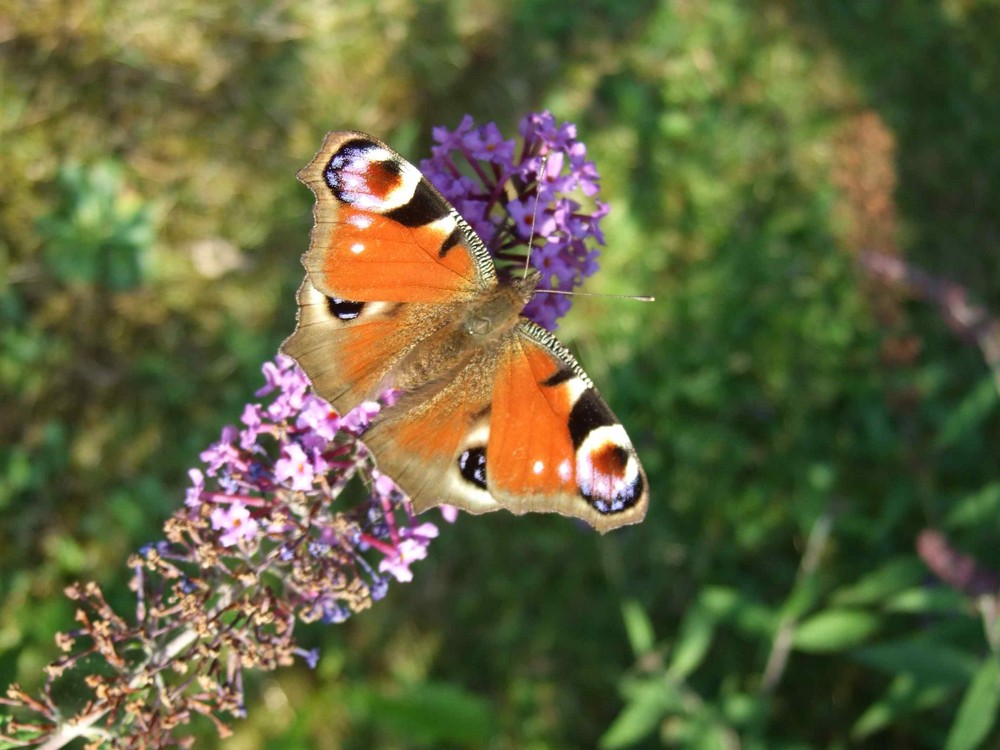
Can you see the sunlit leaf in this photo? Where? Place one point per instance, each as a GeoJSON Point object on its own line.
{"type": "Point", "coordinates": [693, 641]}
{"type": "Point", "coordinates": [982, 506]}
{"type": "Point", "coordinates": [878, 585]}
{"type": "Point", "coordinates": [648, 703]}
{"type": "Point", "coordinates": [835, 630]}
{"type": "Point", "coordinates": [924, 599]}
{"type": "Point", "coordinates": [977, 713]}
{"type": "Point", "coordinates": [638, 627]}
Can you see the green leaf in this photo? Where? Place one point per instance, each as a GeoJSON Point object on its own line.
{"type": "Point", "coordinates": [729, 605]}
{"type": "Point", "coordinates": [22, 737]}
{"type": "Point", "coordinates": [929, 661]}
{"type": "Point", "coordinates": [721, 601]}
{"type": "Point", "coordinates": [742, 709]}
{"type": "Point", "coordinates": [973, 409]}
{"type": "Point", "coordinates": [977, 508]}
{"type": "Point", "coordinates": [835, 630]}
{"type": "Point", "coordinates": [638, 627]}
{"type": "Point", "coordinates": [928, 600]}
{"type": "Point", "coordinates": [648, 702]}
{"type": "Point", "coordinates": [699, 730]}
{"type": "Point", "coordinates": [432, 713]}
{"type": "Point", "coordinates": [100, 231]}
{"type": "Point", "coordinates": [906, 695]}
{"type": "Point", "coordinates": [978, 711]}
{"type": "Point", "coordinates": [693, 641]}
{"type": "Point", "coordinates": [883, 582]}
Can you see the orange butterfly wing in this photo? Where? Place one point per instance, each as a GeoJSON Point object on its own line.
{"type": "Point", "coordinates": [425, 440]}
{"type": "Point", "coordinates": [383, 232]}
{"type": "Point", "coordinates": [554, 445]}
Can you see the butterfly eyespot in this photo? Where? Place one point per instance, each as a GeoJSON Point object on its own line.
{"type": "Point", "coordinates": [360, 169]}
{"type": "Point", "coordinates": [607, 470]}
{"type": "Point", "coordinates": [472, 466]}
{"type": "Point", "coordinates": [343, 309]}
{"type": "Point", "coordinates": [610, 460]}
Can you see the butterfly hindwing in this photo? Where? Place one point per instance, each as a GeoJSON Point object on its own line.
{"type": "Point", "coordinates": [433, 440]}
{"type": "Point", "coordinates": [350, 350]}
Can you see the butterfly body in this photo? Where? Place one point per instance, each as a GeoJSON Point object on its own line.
{"type": "Point", "coordinates": [494, 412]}
{"type": "Point", "coordinates": [461, 333]}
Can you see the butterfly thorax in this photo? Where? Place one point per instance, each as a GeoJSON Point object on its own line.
{"type": "Point", "coordinates": [460, 337]}
{"type": "Point", "coordinates": [498, 312]}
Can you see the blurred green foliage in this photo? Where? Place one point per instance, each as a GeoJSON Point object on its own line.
{"type": "Point", "coordinates": [94, 237]}
{"type": "Point", "coordinates": [800, 426]}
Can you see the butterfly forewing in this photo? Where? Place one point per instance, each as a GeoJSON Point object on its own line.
{"type": "Point", "coordinates": [383, 232]}
{"type": "Point", "coordinates": [558, 446]}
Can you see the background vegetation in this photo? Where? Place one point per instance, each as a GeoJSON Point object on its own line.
{"type": "Point", "coordinates": [800, 423]}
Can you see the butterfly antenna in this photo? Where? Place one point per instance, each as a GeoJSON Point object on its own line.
{"type": "Point", "coordinates": [534, 213]}
{"type": "Point", "coordinates": [531, 235]}
{"type": "Point", "coordinates": [633, 297]}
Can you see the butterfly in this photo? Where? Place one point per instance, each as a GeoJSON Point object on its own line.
{"type": "Point", "coordinates": [493, 411]}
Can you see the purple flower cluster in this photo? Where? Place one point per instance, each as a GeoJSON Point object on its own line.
{"type": "Point", "coordinates": [276, 479]}
{"type": "Point", "coordinates": [512, 195]}
{"type": "Point", "coordinates": [262, 541]}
